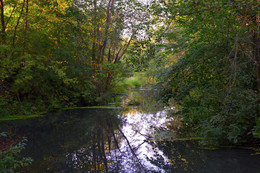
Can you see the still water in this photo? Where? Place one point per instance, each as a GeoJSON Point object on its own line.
{"type": "Point", "coordinates": [116, 140]}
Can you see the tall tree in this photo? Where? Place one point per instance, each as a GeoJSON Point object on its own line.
{"type": "Point", "coordinates": [2, 19]}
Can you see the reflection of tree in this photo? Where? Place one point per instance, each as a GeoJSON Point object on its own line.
{"type": "Point", "coordinates": [103, 153]}
{"type": "Point", "coordinates": [92, 156]}
{"type": "Point", "coordinates": [182, 156]}
{"type": "Point", "coordinates": [92, 140]}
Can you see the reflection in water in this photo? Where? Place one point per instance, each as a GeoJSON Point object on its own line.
{"type": "Point", "coordinates": [109, 140]}
{"type": "Point", "coordinates": [97, 155]}
{"type": "Point", "coordinates": [119, 149]}
{"type": "Point", "coordinates": [140, 128]}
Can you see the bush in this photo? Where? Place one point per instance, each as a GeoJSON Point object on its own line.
{"type": "Point", "coordinates": [10, 161]}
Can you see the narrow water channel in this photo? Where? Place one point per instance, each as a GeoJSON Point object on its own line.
{"type": "Point", "coordinates": [116, 140]}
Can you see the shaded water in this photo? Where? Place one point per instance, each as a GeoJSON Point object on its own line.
{"type": "Point", "coordinates": [113, 140]}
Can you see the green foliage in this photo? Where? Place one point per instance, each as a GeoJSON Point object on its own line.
{"type": "Point", "coordinates": [215, 102]}
{"type": "Point", "coordinates": [44, 66]}
{"type": "Point", "coordinates": [67, 53]}
{"type": "Point", "coordinates": [256, 130]}
{"type": "Point", "coordinates": [213, 79]}
{"type": "Point", "coordinates": [133, 98]}
{"type": "Point", "coordinates": [138, 80]}
{"type": "Point", "coordinates": [139, 54]}
{"type": "Point", "coordinates": [9, 159]}
{"type": "Point", "coordinates": [63, 53]}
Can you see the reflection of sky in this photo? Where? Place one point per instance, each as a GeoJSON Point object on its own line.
{"type": "Point", "coordinates": [138, 128]}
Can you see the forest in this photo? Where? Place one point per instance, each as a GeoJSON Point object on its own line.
{"type": "Point", "coordinates": [199, 56]}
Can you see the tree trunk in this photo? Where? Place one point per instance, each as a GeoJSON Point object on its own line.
{"type": "Point", "coordinates": [94, 47]}
{"type": "Point", "coordinates": [17, 24]}
{"type": "Point", "coordinates": [256, 40]}
{"type": "Point", "coordinates": [257, 58]}
{"type": "Point", "coordinates": [26, 18]}
{"type": "Point", "coordinates": [109, 14]}
{"type": "Point", "coordinates": [25, 25]}
{"type": "Point", "coordinates": [2, 20]}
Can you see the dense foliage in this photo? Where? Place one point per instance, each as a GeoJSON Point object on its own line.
{"type": "Point", "coordinates": [214, 81]}
{"type": "Point", "coordinates": [62, 53]}
{"type": "Point", "coordinates": [43, 65]}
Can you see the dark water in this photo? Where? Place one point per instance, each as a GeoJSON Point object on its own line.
{"type": "Point", "coordinates": [112, 140]}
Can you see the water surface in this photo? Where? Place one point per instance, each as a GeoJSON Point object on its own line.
{"type": "Point", "coordinates": [115, 140]}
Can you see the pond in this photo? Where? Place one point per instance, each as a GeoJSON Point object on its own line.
{"type": "Point", "coordinates": [117, 140]}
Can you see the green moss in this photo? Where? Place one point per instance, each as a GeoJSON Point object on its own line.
{"type": "Point", "coordinates": [188, 139]}
{"type": "Point", "coordinates": [208, 148]}
{"type": "Point", "coordinates": [17, 117]}
{"type": "Point", "coordinates": [93, 107]}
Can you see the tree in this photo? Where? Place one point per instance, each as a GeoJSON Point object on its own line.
{"type": "Point", "coordinates": [113, 25]}
{"type": "Point", "coordinates": [215, 79]}
{"type": "Point", "coordinates": [41, 58]}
